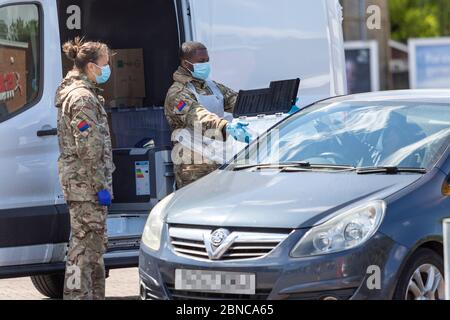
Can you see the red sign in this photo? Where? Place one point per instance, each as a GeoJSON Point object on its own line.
{"type": "Point", "coordinates": [9, 84]}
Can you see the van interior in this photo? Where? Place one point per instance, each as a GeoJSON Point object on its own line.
{"type": "Point", "coordinates": [148, 24]}
{"type": "Point", "coordinates": [141, 135]}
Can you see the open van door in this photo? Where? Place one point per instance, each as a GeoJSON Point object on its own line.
{"type": "Point", "coordinates": [31, 226]}
{"type": "Point", "coordinates": [254, 42]}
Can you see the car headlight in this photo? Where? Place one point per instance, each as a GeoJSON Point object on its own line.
{"type": "Point", "coordinates": [151, 236]}
{"type": "Point", "coordinates": [345, 231]}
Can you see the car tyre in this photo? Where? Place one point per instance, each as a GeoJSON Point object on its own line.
{"type": "Point", "coordinates": [50, 285]}
{"type": "Point", "coordinates": [422, 277]}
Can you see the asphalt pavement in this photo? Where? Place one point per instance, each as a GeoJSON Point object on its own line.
{"type": "Point", "coordinates": [121, 284]}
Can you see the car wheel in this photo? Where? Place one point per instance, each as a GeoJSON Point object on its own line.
{"type": "Point", "coordinates": [422, 277]}
{"type": "Point", "coordinates": [50, 285]}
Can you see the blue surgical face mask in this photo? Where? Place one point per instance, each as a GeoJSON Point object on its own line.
{"type": "Point", "coordinates": [104, 77]}
{"type": "Point", "coordinates": [201, 70]}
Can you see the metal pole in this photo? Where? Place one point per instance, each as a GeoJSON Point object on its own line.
{"type": "Point", "coordinates": [447, 258]}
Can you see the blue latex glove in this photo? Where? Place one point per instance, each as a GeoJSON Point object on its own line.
{"type": "Point", "coordinates": [294, 108]}
{"type": "Point", "coordinates": [239, 131]}
{"type": "Point", "coordinates": [104, 198]}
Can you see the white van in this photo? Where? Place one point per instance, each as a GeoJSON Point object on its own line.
{"type": "Point", "coordinates": [251, 43]}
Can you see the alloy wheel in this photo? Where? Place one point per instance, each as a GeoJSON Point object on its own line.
{"type": "Point", "coordinates": [426, 283]}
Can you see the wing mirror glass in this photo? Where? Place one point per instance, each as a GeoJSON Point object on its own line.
{"type": "Point", "coordinates": [446, 187]}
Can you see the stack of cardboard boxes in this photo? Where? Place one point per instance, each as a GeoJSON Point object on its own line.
{"type": "Point", "coordinates": [126, 87]}
{"type": "Point", "coordinates": [125, 90]}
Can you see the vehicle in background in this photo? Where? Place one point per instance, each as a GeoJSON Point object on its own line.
{"type": "Point", "coordinates": [342, 200]}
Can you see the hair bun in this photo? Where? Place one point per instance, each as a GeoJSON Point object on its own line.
{"type": "Point", "coordinates": [82, 53]}
{"type": "Point", "coordinates": [71, 48]}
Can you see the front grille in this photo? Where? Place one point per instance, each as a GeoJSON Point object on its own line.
{"type": "Point", "coordinates": [190, 295]}
{"type": "Point", "coordinates": [245, 245]}
{"type": "Point", "coordinates": [120, 244]}
{"type": "Point", "coordinates": [246, 250]}
{"type": "Point", "coordinates": [189, 247]}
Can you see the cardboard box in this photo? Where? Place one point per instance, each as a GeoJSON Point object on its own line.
{"type": "Point", "coordinates": [127, 78]}
{"type": "Point", "coordinates": [125, 103]}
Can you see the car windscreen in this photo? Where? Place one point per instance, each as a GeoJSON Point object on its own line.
{"type": "Point", "coordinates": [356, 134]}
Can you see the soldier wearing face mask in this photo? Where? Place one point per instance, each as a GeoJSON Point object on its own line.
{"type": "Point", "coordinates": [195, 101]}
{"type": "Point", "coordinates": [85, 166]}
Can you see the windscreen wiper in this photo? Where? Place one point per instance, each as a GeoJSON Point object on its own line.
{"type": "Point", "coordinates": [333, 167]}
{"type": "Point", "coordinates": [293, 166]}
{"type": "Point", "coordinates": [389, 170]}
{"type": "Point", "coordinates": [302, 164]}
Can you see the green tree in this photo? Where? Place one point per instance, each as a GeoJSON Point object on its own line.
{"type": "Point", "coordinates": [3, 29]}
{"type": "Point", "coordinates": [22, 31]}
{"type": "Point", "coordinates": [418, 18]}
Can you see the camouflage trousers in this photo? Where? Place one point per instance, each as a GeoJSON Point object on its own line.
{"type": "Point", "coordinates": [85, 269]}
{"type": "Point", "coordinates": [186, 174]}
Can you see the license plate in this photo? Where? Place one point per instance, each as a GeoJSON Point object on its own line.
{"type": "Point", "coordinates": [125, 226]}
{"type": "Point", "coordinates": [215, 281]}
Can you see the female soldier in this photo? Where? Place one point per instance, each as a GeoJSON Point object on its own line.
{"type": "Point", "coordinates": [85, 166]}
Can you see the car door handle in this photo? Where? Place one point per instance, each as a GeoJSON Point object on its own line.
{"type": "Point", "coordinates": [47, 132]}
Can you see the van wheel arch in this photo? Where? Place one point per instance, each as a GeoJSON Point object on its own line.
{"type": "Point", "coordinates": [433, 246]}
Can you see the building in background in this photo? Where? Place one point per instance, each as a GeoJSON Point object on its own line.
{"type": "Point", "coordinates": [13, 75]}
{"type": "Point", "coordinates": [356, 29]}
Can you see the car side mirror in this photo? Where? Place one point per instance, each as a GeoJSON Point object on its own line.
{"type": "Point", "coordinates": [446, 187]}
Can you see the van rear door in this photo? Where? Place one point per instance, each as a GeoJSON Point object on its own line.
{"type": "Point", "coordinates": [32, 228]}
{"type": "Point", "coordinates": [254, 42]}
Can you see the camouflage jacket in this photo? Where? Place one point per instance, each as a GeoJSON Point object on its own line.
{"type": "Point", "coordinates": [193, 112]}
{"type": "Point", "coordinates": [85, 162]}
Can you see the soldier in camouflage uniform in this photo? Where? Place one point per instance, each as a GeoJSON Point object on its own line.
{"type": "Point", "coordinates": [85, 167]}
{"type": "Point", "coordinates": [193, 100]}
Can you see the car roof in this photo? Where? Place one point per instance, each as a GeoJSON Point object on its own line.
{"type": "Point", "coordinates": [415, 95]}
